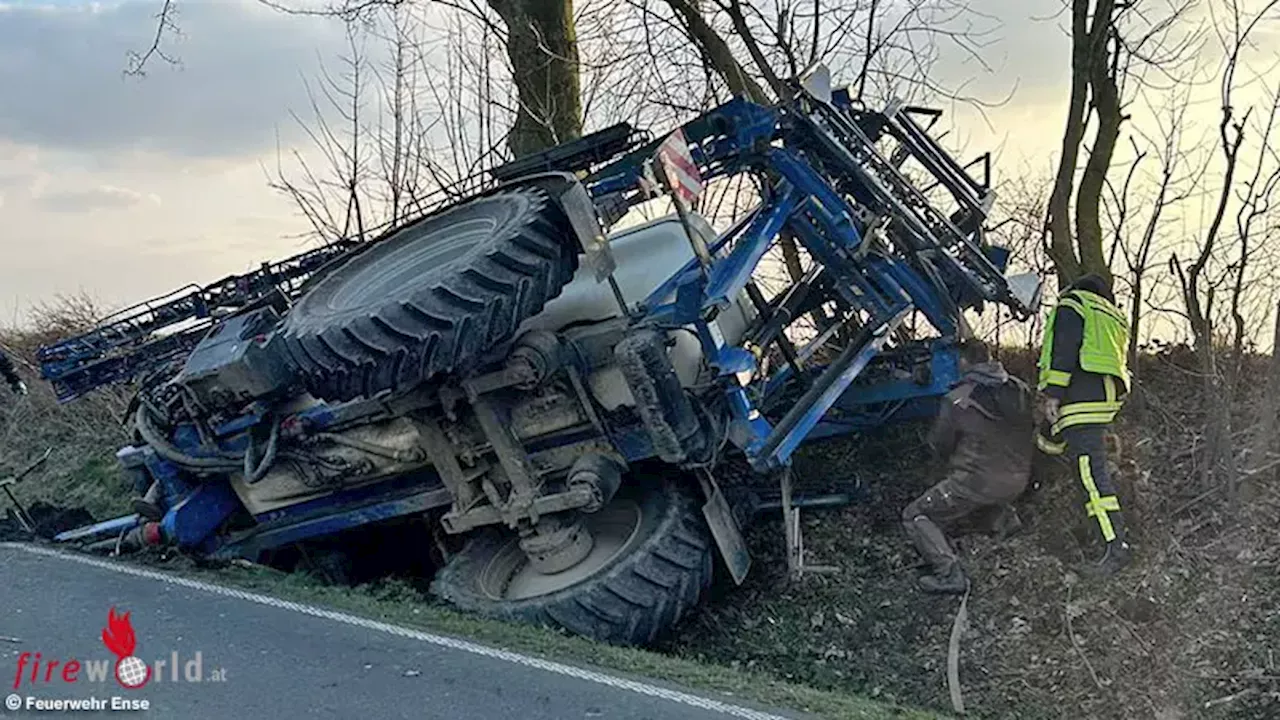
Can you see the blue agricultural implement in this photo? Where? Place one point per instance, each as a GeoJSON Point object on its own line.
{"type": "Point", "coordinates": [579, 416]}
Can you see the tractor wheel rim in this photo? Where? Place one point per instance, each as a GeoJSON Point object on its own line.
{"type": "Point", "coordinates": [615, 529]}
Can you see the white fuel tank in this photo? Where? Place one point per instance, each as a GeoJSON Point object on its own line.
{"type": "Point", "coordinates": [646, 255]}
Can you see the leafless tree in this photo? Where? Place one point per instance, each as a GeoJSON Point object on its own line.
{"type": "Point", "coordinates": [408, 117]}
{"type": "Point", "coordinates": [1255, 199]}
{"type": "Point", "coordinates": [1199, 285]}
{"type": "Point", "coordinates": [1256, 215]}
{"type": "Point", "coordinates": [1178, 178]}
{"type": "Point", "coordinates": [1018, 226]}
{"type": "Point", "coordinates": [1112, 44]}
{"type": "Point", "coordinates": [337, 134]}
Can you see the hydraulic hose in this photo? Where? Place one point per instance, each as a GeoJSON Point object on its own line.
{"type": "Point", "coordinates": [255, 472]}
{"type": "Point", "coordinates": [372, 449]}
{"type": "Point", "coordinates": [153, 437]}
{"type": "Point", "coordinates": [253, 469]}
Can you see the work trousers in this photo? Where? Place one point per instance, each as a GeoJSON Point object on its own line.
{"type": "Point", "coordinates": [929, 518]}
{"type": "Point", "coordinates": [1085, 449]}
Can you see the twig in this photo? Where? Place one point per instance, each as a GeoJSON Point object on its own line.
{"type": "Point", "coordinates": [1229, 698]}
{"type": "Point", "coordinates": [1197, 528]}
{"type": "Point", "coordinates": [1255, 471]}
{"type": "Point", "coordinates": [1241, 676]}
{"type": "Point", "coordinates": [1194, 501]}
{"type": "Point", "coordinates": [18, 358]}
{"type": "Point", "coordinates": [164, 24]}
{"type": "Point", "coordinates": [1076, 645]}
{"type": "Point", "coordinates": [1133, 633]}
{"type": "Point", "coordinates": [1221, 538]}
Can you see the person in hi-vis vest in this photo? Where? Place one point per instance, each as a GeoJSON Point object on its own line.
{"type": "Point", "coordinates": [1084, 380]}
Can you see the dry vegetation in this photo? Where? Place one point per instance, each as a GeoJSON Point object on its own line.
{"type": "Point", "coordinates": [1187, 632]}
{"type": "Point", "coordinates": [84, 436]}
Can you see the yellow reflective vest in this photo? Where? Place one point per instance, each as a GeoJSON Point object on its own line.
{"type": "Point", "coordinates": [1104, 346]}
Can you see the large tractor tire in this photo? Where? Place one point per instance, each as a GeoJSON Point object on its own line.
{"type": "Point", "coordinates": [432, 297]}
{"type": "Point", "coordinates": [651, 563]}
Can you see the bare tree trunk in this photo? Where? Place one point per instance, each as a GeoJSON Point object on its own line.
{"type": "Point", "coordinates": [870, 41]}
{"type": "Point", "coordinates": [1215, 407]}
{"type": "Point", "coordinates": [716, 52]}
{"type": "Point", "coordinates": [1218, 432]}
{"type": "Point", "coordinates": [734, 9]}
{"type": "Point", "coordinates": [543, 50]}
{"type": "Point", "coordinates": [1227, 460]}
{"type": "Point", "coordinates": [719, 57]}
{"type": "Point", "coordinates": [1138, 403]}
{"type": "Point", "coordinates": [1264, 430]}
{"type": "Point", "coordinates": [395, 174]}
{"type": "Point", "coordinates": [1061, 249]}
{"type": "Point", "coordinates": [1233, 375]}
{"type": "Point", "coordinates": [791, 256]}
{"type": "Point", "coordinates": [1135, 323]}
{"type": "Point", "coordinates": [1106, 106]}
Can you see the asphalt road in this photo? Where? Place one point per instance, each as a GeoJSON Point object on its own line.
{"type": "Point", "coordinates": [263, 658]}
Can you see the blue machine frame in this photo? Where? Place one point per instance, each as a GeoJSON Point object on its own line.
{"type": "Point", "coordinates": [826, 183]}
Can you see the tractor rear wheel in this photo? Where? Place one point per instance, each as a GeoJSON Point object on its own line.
{"type": "Point", "coordinates": [432, 297]}
{"type": "Point", "coordinates": [651, 562]}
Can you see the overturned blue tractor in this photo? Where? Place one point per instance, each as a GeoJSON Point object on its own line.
{"type": "Point", "coordinates": [581, 417]}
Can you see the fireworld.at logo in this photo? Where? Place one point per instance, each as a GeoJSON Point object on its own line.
{"type": "Point", "coordinates": [129, 670]}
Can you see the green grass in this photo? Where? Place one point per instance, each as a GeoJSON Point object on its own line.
{"type": "Point", "coordinates": [96, 485]}
{"type": "Point", "coordinates": [399, 603]}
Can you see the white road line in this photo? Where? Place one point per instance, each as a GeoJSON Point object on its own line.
{"type": "Point", "coordinates": [439, 640]}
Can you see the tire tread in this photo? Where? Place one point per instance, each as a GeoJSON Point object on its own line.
{"type": "Point", "coordinates": [642, 596]}
{"type": "Point", "coordinates": [446, 323]}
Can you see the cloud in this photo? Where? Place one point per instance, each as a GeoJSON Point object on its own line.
{"type": "Point", "coordinates": [102, 197]}
{"type": "Point", "coordinates": [1024, 51]}
{"type": "Point", "coordinates": [86, 153]}
{"type": "Point", "coordinates": [240, 72]}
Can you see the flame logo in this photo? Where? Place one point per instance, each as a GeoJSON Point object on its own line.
{"type": "Point", "coordinates": [118, 635]}
{"type": "Point", "coordinates": [119, 638]}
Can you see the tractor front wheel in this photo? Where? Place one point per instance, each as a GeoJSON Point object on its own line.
{"type": "Point", "coordinates": [650, 562]}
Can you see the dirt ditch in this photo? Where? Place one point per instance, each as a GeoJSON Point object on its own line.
{"type": "Point", "coordinates": [48, 520]}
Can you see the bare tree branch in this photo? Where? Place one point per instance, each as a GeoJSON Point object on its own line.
{"type": "Point", "coordinates": [166, 24]}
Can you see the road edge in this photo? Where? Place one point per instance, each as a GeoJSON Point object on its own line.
{"type": "Point", "coordinates": [426, 624]}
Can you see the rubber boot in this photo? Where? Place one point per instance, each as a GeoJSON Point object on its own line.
{"type": "Point", "coordinates": [1117, 557]}
{"type": "Point", "coordinates": [148, 506]}
{"type": "Point", "coordinates": [945, 581]}
{"type": "Point", "coordinates": [947, 576]}
{"type": "Point", "coordinates": [1007, 524]}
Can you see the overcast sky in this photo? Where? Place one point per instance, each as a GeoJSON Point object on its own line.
{"type": "Point", "coordinates": [126, 187]}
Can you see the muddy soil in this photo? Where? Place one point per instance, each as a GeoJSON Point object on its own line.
{"type": "Point", "coordinates": [48, 520]}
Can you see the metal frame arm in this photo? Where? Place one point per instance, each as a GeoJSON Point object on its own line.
{"type": "Point", "coordinates": [148, 335]}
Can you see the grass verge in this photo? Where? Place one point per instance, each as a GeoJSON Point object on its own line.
{"type": "Point", "coordinates": [400, 603]}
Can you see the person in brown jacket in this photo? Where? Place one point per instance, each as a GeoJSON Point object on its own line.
{"type": "Point", "coordinates": [985, 433]}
